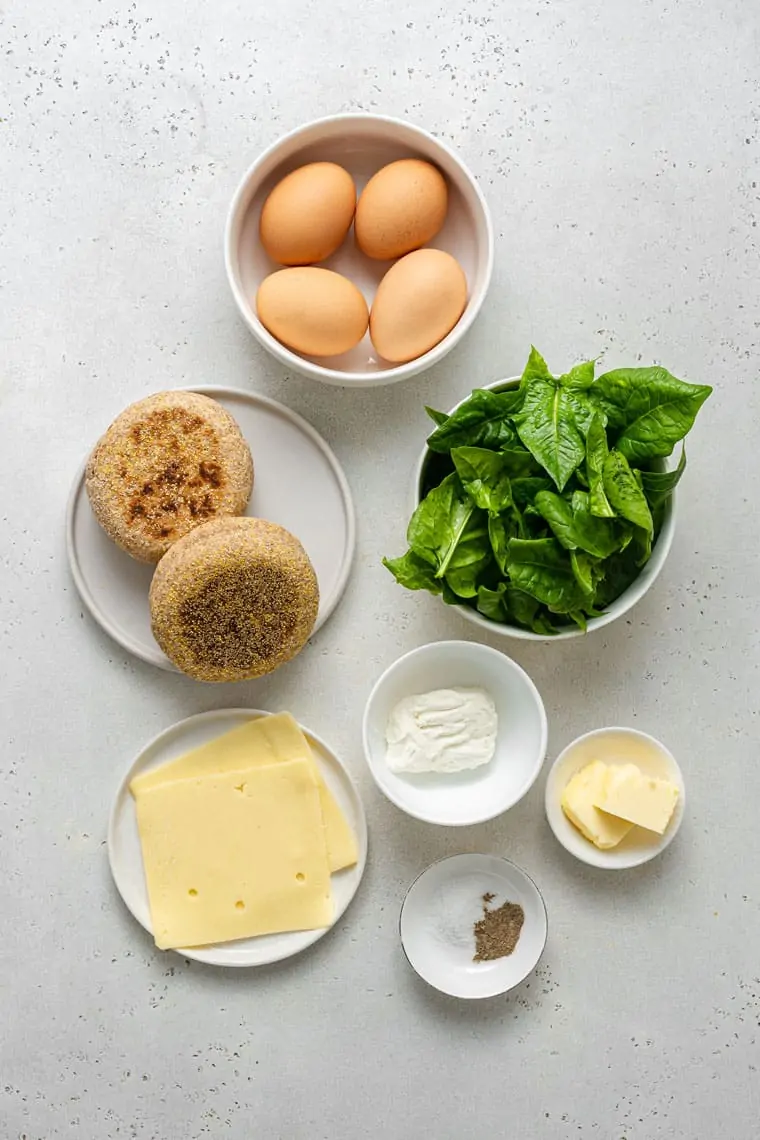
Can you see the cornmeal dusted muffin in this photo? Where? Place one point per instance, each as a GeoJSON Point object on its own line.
{"type": "Point", "coordinates": [234, 599]}
{"type": "Point", "coordinates": [165, 465]}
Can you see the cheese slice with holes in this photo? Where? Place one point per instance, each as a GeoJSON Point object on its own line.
{"type": "Point", "coordinates": [268, 740]}
{"type": "Point", "coordinates": [234, 854]}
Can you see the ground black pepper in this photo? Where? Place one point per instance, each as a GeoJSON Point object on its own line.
{"type": "Point", "coordinates": [498, 931]}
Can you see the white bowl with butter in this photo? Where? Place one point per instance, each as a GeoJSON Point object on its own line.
{"type": "Point", "coordinates": [622, 750]}
{"type": "Point", "coordinates": [455, 684]}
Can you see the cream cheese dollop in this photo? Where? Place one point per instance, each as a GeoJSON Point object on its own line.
{"type": "Point", "coordinates": [446, 730]}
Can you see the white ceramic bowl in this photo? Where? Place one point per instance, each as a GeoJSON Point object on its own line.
{"type": "Point", "coordinates": [438, 915]}
{"type": "Point", "coordinates": [615, 610]}
{"type": "Point", "coordinates": [361, 143]}
{"type": "Point", "coordinates": [619, 746]}
{"type": "Point", "coordinates": [460, 798]}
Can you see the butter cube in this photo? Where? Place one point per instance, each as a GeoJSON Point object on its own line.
{"type": "Point", "coordinates": [631, 795]}
{"type": "Point", "coordinates": [579, 803]}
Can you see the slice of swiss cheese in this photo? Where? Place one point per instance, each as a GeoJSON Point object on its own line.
{"type": "Point", "coordinates": [235, 854]}
{"type": "Point", "coordinates": [268, 740]}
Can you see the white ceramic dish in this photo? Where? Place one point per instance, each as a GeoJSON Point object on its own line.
{"type": "Point", "coordinates": [298, 483]}
{"type": "Point", "coordinates": [620, 746]}
{"type": "Point", "coordinates": [361, 143]}
{"type": "Point", "coordinates": [438, 915]}
{"type": "Point", "coordinates": [460, 798]}
{"type": "Point", "coordinates": [125, 855]}
{"type": "Point", "coordinates": [615, 610]}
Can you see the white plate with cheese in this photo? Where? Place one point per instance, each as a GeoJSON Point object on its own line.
{"type": "Point", "coordinates": [183, 740]}
{"type": "Point", "coordinates": [298, 483]}
{"type": "Point", "coordinates": [616, 748]}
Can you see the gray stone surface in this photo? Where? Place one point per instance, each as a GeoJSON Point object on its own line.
{"type": "Point", "coordinates": [618, 146]}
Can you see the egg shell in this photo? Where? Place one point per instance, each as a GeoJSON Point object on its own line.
{"type": "Point", "coordinates": [308, 214]}
{"type": "Point", "coordinates": [401, 208]}
{"type": "Point", "coordinates": [417, 304]}
{"type": "Point", "coordinates": [313, 311]}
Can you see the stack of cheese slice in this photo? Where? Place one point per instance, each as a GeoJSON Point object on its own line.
{"type": "Point", "coordinates": [240, 837]}
{"type": "Point", "coordinates": [604, 801]}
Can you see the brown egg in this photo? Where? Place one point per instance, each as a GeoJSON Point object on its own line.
{"type": "Point", "coordinates": [401, 207]}
{"type": "Point", "coordinates": [308, 214]}
{"type": "Point", "coordinates": [313, 311]}
{"type": "Point", "coordinates": [417, 304]}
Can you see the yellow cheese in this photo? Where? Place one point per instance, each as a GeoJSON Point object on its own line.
{"type": "Point", "coordinates": [268, 740]}
{"type": "Point", "coordinates": [643, 800]}
{"type": "Point", "coordinates": [579, 801]}
{"type": "Point", "coordinates": [235, 854]}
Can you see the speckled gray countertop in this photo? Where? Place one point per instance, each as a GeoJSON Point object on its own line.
{"type": "Point", "coordinates": [618, 146]}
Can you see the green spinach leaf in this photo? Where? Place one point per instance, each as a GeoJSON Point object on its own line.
{"type": "Point", "coordinates": [501, 528]}
{"type": "Point", "coordinates": [411, 571]}
{"type": "Point", "coordinates": [648, 410]}
{"type": "Point", "coordinates": [580, 377]}
{"type": "Point", "coordinates": [583, 569]}
{"type": "Point", "coordinates": [436, 527]}
{"type": "Point", "coordinates": [484, 476]}
{"type": "Point", "coordinates": [547, 426]}
{"type": "Point", "coordinates": [576, 528]}
{"type": "Point", "coordinates": [499, 535]}
{"type": "Point", "coordinates": [659, 485]}
{"type": "Point", "coordinates": [470, 557]}
{"type": "Point", "coordinates": [485, 420]}
{"type": "Point", "coordinates": [438, 418]}
{"type": "Point", "coordinates": [449, 597]}
{"type": "Point", "coordinates": [579, 618]}
{"type": "Point", "coordinates": [525, 488]}
{"type": "Point", "coordinates": [535, 369]}
{"type": "Point", "coordinates": [519, 461]}
{"type": "Point", "coordinates": [542, 569]}
{"type": "Point", "coordinates": [528, 611]}
{"type": "Point", "coordinates": [624, 493]}
{"type": "Point", "coordinates": [491, 602]}
{"type": "Point", "coordinates": [597, 451]}
{"type": "Point", "coordinates": [619, 572]}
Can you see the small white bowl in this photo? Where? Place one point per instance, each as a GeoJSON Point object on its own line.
{"type": "Point", "coordinates": [622, 604]}
{"type": "Point", "coordinates": [438, 915]}
{"type": "Point", "coordinates": [619, 746]}
{"type": "Point", "coordinates": [362, 144]}
{"type": "Point", "coordinates": [460, 798]}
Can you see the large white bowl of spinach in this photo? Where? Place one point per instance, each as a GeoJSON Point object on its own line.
{"type": "Point", "coordinates": [545, 503]}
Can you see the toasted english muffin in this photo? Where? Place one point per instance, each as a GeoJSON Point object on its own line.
{"type": "Point", "coordinates": [235, 599]}
{"type": "Point", "coordinates": [165, 465]}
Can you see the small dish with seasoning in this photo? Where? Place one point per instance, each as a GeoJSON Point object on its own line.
{"type": "Point", "coordinates": [454, 733]}
{"type": "Point", "coordinates": [649, 784]}
{"type": "Point", "coordinates": [473, 926]}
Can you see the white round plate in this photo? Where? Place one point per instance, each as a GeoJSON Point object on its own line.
{"type": "Point", "coordinates": [125, 854]}
{"type": "Point", "coordinates": [298, 483]}
{"type": "Point", "coordinates": [438, 915]}
{"type": "Point", "coordinates": [457, 799]}
{"type": "Point", "coordinates": [613, 746]}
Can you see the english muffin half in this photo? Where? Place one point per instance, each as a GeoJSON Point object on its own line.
{"type": "Point", "coordinates": [165, 465]}
{"type": "Point", "coordinates": [235, 599]}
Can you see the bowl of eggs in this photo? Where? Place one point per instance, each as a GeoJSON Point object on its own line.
{"type": "Point", "coordinates": [359, 250]}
